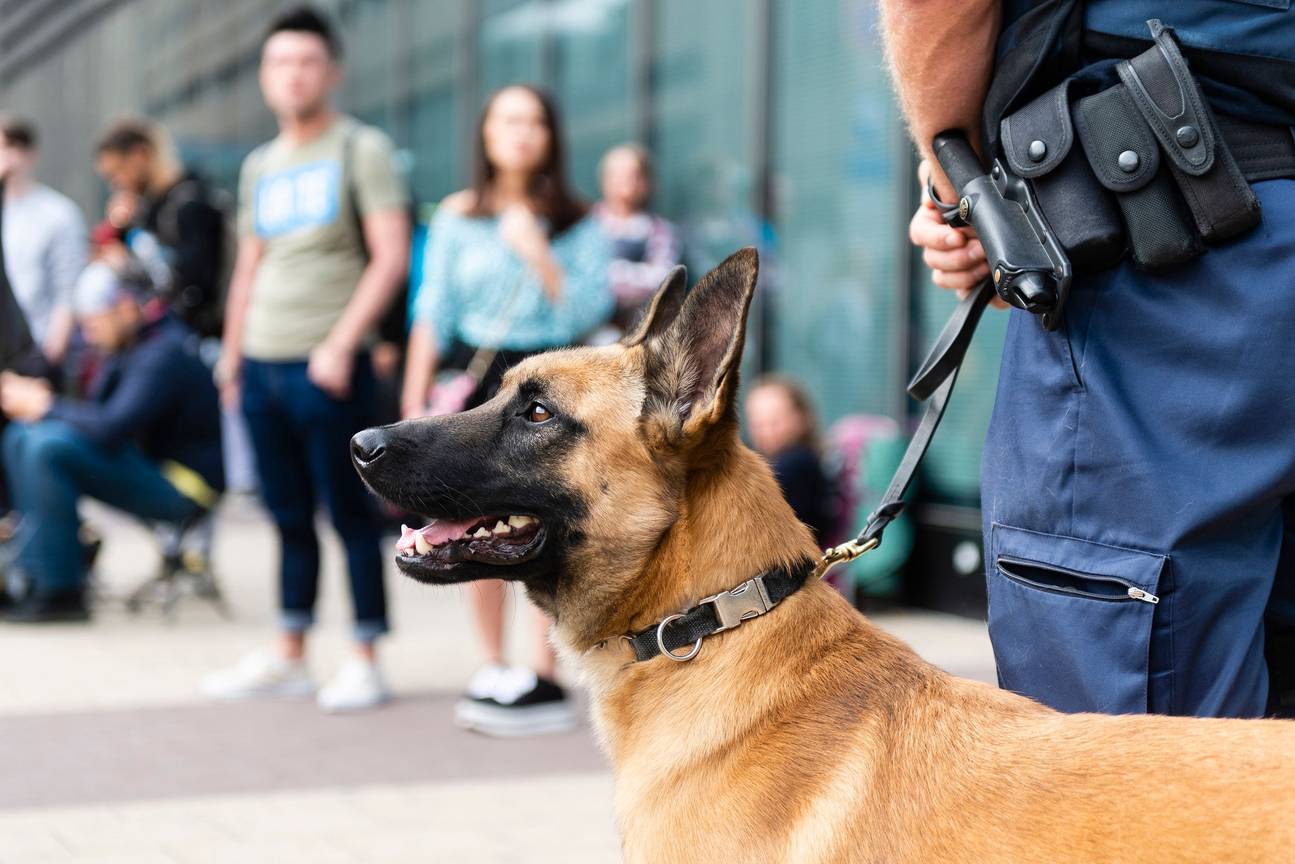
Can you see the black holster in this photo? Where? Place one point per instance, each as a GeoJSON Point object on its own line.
{"type": "Point", "coordinates": [1152, 172]}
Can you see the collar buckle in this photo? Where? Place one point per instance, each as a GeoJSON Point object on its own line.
{"type": "Point", "coordinates": [746, 601]}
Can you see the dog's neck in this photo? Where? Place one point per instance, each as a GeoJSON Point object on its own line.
{"type": "Point", "coordinates": [733, 523]}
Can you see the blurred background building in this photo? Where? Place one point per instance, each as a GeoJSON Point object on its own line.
{"type": "Point", "coordinates": [771, 122]}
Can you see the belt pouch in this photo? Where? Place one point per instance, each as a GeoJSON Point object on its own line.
{"type": "Point", "coordinates": [1038, 143]}
{"type": "Point", "coordinates": [1165, 94]}
{"type": "Point", "coordinates": [1125, 157]}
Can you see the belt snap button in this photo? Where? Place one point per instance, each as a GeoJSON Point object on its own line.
{"type": "Point", "coordinates": [1129, 161]}
{"type": "Point", "coordinates": [1187, 136]}
{"type": "Point", "coordinates": [1038, 150]}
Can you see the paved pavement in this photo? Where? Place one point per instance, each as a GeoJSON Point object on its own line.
{"type": "Point", "coordinates": [112, 755]}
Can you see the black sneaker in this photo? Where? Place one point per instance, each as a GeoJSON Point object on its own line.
{"type": "Point", "coordinates": [49, 608]}
{"type": "Point", "coordinates": [522, 703]}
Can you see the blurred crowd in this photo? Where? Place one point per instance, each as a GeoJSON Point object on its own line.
{"type": "Point", "coordinates": [182, 347]}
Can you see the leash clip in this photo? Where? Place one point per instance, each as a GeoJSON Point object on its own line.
{"type": "Point", "coordinates": [847, 551]}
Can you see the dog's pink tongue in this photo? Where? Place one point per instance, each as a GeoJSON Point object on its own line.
{"type": "Point", "coordinates": [437, 532]}
{"type": "Point", "coordinates": [444, 530]}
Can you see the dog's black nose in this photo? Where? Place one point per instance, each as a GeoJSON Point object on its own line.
{"type": "Point", "coordinates": [368, 447]}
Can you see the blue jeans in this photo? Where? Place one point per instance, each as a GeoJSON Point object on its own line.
{"type": "Point", "coordinates": [301, 437]}
{"type": "Point", "coordinates": [51, 467]}
{"type": "Point", "coordinates": [1146, 449]}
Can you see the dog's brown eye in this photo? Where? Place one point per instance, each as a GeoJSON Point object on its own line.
{"type": "Point", "coordinates": [537, 413]}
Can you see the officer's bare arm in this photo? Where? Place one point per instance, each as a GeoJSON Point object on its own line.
{"type": "Point", "coordinates": [941, 55]}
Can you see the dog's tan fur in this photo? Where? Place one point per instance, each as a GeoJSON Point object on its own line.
{"type": "Point", "coordinates": [809, 735]}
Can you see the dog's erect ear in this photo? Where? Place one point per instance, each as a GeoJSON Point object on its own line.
{"type": "Point", "coordinates": [661, 312]}
{"type": "Point", "coordinates": [693, 366]}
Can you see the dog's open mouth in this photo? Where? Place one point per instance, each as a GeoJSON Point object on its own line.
{"type": "Point", "coordinates": [446, 543]}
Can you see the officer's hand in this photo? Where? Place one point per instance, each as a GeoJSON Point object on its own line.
{"type": "Point", "coordinates": [955, 256]}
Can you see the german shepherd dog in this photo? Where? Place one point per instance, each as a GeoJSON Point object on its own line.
{"type": "Point", "coordinates": [611, 483]}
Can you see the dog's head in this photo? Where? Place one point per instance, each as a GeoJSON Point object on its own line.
{"type": "Point", "coordinates": [571, 477]}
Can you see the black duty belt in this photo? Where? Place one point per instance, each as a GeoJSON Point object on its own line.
{"type": "Point", "coordinates": [1262, 152]}
{"type": "Point", "coordinates": [1128, 158]}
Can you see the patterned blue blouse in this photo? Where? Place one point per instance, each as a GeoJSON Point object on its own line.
{"type": "Point", "coordinates": [475, 289]}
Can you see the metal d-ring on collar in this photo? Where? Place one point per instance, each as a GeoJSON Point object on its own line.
{"type": "Point", "coordinates": [660, 641]}
{"type": "Point", "coordinates": [746, 601]}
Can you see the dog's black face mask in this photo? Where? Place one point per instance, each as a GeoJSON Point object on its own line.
{"type": "Point", "coordinates": [491, 481]}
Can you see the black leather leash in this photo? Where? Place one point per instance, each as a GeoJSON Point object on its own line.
{"type": "Point", "coordinates": [932, 384]}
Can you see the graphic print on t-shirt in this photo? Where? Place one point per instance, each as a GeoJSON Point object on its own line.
{"type": "Point", "coordinates": [304, 196]}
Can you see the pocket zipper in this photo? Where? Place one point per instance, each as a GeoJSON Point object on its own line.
{"type": "Point", "coordinates": [1133, 592]}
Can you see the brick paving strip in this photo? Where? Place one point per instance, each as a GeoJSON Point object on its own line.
{"type": "Point", "coordinates": [557, 819]}
{"type": "Point", "coordinates": [254, 747]}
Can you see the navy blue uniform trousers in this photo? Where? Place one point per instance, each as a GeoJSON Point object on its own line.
{"type": "Point", "coordinates": [1144, 452]}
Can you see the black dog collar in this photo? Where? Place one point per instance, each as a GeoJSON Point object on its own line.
{"type": "Point", "coordinates": [717, 613]}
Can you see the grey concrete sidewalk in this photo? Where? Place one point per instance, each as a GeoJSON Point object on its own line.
{"type": "Point", "coordinates": [112, 755]}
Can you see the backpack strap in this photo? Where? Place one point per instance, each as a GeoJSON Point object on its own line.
{"type": "Point", "coordinates": [352, 195]}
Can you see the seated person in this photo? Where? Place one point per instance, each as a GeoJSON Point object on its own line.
{"type": "Point", "coordinates": [147, 440]}
{"type": "Point", "coordinates": [783, 430]}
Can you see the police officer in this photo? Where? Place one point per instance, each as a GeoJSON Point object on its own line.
{"type": "Point", "coordinates": [1138, 476]}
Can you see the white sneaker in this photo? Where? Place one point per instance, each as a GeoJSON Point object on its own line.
{"type": "Point", "coordinates": [260, 675]}
{"type": "Point", "coordinates": [358, 685]}
{"type": "Point", "coordinates": [485, 680]}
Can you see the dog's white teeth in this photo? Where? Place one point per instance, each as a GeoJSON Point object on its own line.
{"type": "Point", "coordinates": [483, 531]}
{"type": "Point", "coordinates": [421, 544]}
{"type": "Point", "coordinates": [520, 521]}
{"type": "Point", "coordinates": [501, 528]}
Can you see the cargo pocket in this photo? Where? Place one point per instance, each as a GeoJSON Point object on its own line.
{"type": "Point", "coordinates": [1071, 620]}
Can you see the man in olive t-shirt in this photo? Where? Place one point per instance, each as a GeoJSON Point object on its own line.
{"type": "Point", "coordinates": [301, 201]}
{"type": "Point", "coordinates": [323, 248]}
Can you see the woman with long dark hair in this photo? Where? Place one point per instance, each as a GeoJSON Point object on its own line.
{"type": "Point", "coordinates": [513, 267]}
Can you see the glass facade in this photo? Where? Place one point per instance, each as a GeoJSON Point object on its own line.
{"type": "Point", "coordinates": [840, 185]}
{"type": "Point", "coordinates": [771, 121]}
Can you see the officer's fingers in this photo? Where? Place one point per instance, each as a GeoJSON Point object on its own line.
{"type": "Point", "coordinates": [965, 258]}
{"type": "Point", "coordinates": [959, 280]}
{"type": "Point", "coordinates": [921, 227]}
{"type": "Point", "coordinates": [928, 230]}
